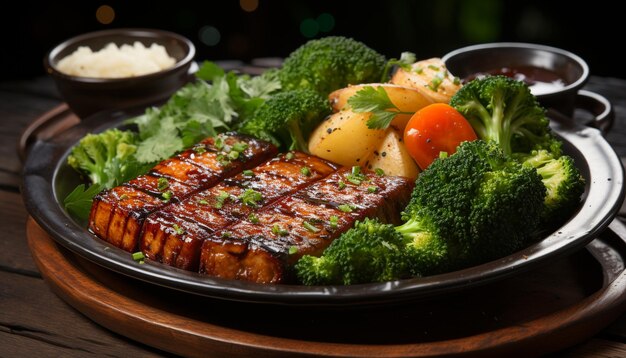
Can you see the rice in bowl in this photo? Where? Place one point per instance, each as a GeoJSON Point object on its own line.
{"type": "Point", "coordinates": [116, 62]}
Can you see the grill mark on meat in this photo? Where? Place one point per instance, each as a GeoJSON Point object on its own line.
{"type": "Point", "coordinates": [201, 214]}
{"type": "Point", "coordinates": [265, 252]}
{"type": "Point", "coordinates": [117, 214]}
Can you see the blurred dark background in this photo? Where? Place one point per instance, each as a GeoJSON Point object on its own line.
{"type": "Point", "coordinates": [249, 29]}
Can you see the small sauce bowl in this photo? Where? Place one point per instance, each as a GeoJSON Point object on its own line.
{"type": "Point", "coordinates": [554, 76]}
{"type": "Point", "coordinates": [89, 95]}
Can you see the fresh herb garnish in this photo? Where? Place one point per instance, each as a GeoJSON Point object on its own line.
{"type": "Point", "coordinates": [78, 202]}
{"type": "Point", "coordinates": [377, 101]}
{"type": "Point", "coordinates": [309, 226]}
{"type": "Point", "coordinates": [333, 221]}
{"type": "Point", "coordinates": [251, 197]}
{"type": "Point", "coordinates": [162, 184]}
{"type": "Point", "coordinates": [278, 231]}
{"type": "Point", "coordinates": [220, 199]}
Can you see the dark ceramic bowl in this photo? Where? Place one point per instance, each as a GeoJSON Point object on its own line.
{"type": "Point", "coordinates": [543, 65]}
{"type": "Point", "coordinates": [87, 95]}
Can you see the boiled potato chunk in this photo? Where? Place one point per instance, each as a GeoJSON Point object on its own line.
{"type": "Point", "coordinates": [345, 139]}
{"type": "Point", "coordinates": [392, 156]}
{"type": "Point", "coordinates": [430, 77]}
{"type": "Point", "coordinates": [407, 99]}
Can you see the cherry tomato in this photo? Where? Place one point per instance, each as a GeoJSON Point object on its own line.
{"type": "Point", "coordinates": [434, 129]}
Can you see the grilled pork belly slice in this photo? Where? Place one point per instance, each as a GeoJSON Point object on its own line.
{"type": "Point", "coordinates": [174, 235]}
{"type": "Point", "coordinates": [302, 224]}
{"type": "Point", "coordinates": [117, 214]}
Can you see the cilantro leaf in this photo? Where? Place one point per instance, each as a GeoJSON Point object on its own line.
{"type": "Point", "coordinates": [375, 100]}
{"type": "Point", "coordinates": [194, 131]}
{"type": "Point", "coordinates": [208, 71]}
{"type": "Point", "coordinates": [78, 202]}
{"type": "Point", "coordinates": [162, 144]}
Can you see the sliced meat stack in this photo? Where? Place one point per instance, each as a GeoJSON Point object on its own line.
{"type": "Point", "coordinates": [174, 235]}
{"type": "Point", "coordinates": [231, 208]}
{"type": "Point", "coordinates": [264, 250]}
{"type": "Point", "coordinates": [117, 214]}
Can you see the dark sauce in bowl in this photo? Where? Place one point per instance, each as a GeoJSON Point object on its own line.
{"type": "Point", "coordinates": [539, 80]}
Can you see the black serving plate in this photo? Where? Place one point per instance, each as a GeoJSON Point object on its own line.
{"type": "Point", "coordinates": [47, 179]}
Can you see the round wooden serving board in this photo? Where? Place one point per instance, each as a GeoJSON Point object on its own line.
{"type": "Point", "coordinates": [550, 308]}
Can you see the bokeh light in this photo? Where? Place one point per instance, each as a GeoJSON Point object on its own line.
{"type": "Point", "coordinates": [105, 14]}
{"type": "Point", "coordinates": [209, 35]}
{"type": "Point", "coordinates": [249, 5]}
{"type": "Point", "coordinates": [309, 28]}
{"type": "Point", "coordinates": [326, 22]}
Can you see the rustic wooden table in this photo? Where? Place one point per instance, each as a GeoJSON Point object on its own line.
{"type": "Point", "coordinates": [36, 322]}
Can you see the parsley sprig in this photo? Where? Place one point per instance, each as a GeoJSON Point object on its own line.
{"type": "Point", "coordinates": [375, 100]}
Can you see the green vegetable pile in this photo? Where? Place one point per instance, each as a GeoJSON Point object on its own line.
{"type": "Point", "coordinates": [484, 202]}
{"type": "Point", "coordinates": [281, 105]}
{"type": "Point", "coordinates": [471, 207]}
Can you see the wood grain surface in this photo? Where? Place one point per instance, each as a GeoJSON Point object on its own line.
{"type": "Point", "coordinates": [539, 312]}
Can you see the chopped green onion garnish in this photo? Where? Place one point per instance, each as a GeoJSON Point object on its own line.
{"type": "Point", "coordinates": [253, 218]}
{"type": "Point", "coordinates": [220, 199]}
{"type": "Point", "coordinates": [167, 195]}
{"type": "Point", "coordinates": [293, 250]}
{"type": "Point", "coordinates": [356, 170]}
{"type": "Point", "coordinates": [251, 197]}
{"type": "Point", "coordinates": [233, 155]}
{"type": "Point", "coordinates": [226, 234]}
{"type": "Point", "coordinates": [456, 80]}
{"type": "Point", "coordinates": [379, 172]}
{"type": "Point", "coordinates": [307, 225]}
{"type": "Point", "coordinates": [346, 208]}
{"type": "Point", "coordinates": [341, 185]}
{"type": "Point", "coordinates": [277, 230]}
{"type": "Point", "coordinates": [372, 189]}
{"type": "Point", "coordinates": [162, 184]}
{"type": "Point", "coordinates": [203, 202]}
{"type": "Point", "coordinates": [138, 256]}
{"type": "Point", "coordinates": [219, 143]}
{"type": "Point", "coordinates": [179, 230]}
{"type": "Point", "coordinates": [223, 160]}
{"type": "Point", "coordinates": [123, 197]}
{"type": "Point", "coordinates": [290, 156]}
{"type": "Point", "coordinates": [305, 171]}
{"type": "Point", "coordinates": [248, 173]}
{"type": "Point", "coordinates": [435, 83]}
{"type": "Point", "coordinates": [240, 146]}
{"type": "Point", "coordinates": [419, 70]}
{"type": "Point", "coordinates": [353, 180]}
{"type": "Point", "coordinates": [443, 154]}
{"type": "Point", "coordinates": [199, 149]}
{"type": "Point", "coordinates": [334, 221]}
{"type": "Point", "coordinates": [433, 67]}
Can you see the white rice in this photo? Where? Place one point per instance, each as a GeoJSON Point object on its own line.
{"type": "Point", "coordinates": [116, 62]}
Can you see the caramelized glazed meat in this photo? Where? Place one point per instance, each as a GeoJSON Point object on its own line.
{"type": "Point", "coordinates": [231, 208]}
{"type": "Point", "coordinates": [306, 222]}
{"type": "Point", "coordinates": [117, 214]}
{"type": "Point", "coordinates": [174, 234]}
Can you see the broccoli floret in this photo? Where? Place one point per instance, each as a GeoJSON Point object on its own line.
{"type": "Point", "coordinates": [469, 208]}
{"type": "Point", "coordinates": [287, 118]}
{"type": "Point", "coordinates": [369, 252]}
{"type": "Point", "coordinates": [503, 110]}
{"type": "Point", "coordinates": [330, 63]}
{"type": "Point", "coordinates": [107, 158]}
{"type": "Point", "coordinates": [563, 181]}
{"type": "Point", "coordinates": [485, 204]}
